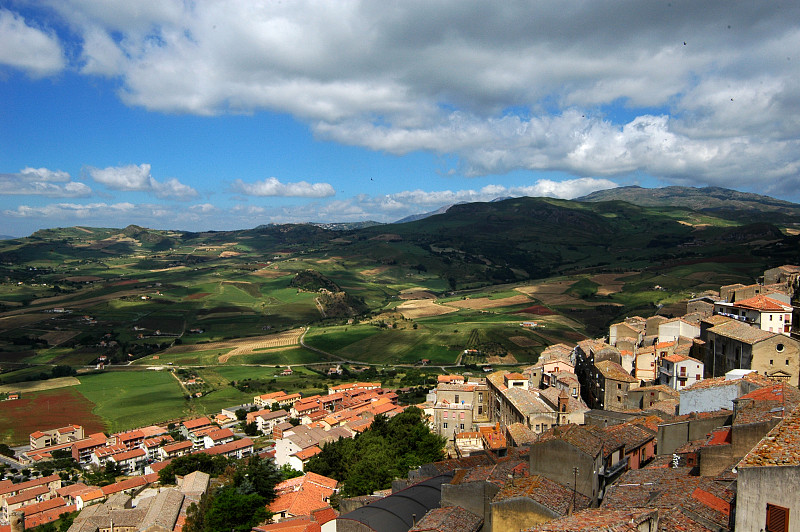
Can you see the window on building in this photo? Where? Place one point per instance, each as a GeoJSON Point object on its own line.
{"type": "Point", "coordinates": [619, 386]}
{"type": "Point", "coordinates": [779, 348]}
{"type": "Point", "coordinates": [480, 410]}
{"type": "Point", "coordinates": [777, 518]}
{"type": "Point", "coordinates": [462, 426]}
{"type": "Point", "coordinates": [456, 398]}
{"type": "Point", "coordinates": [480, 397]}
{"type": "Point", "coordinates": [444, 425]}
{"type": "Point", "coordinates": [619, 399]}
{"type": "Point", "coordinates": [770, 361]}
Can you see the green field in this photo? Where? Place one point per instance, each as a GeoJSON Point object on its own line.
{"type": "Point", "coordinates": [128, 399]}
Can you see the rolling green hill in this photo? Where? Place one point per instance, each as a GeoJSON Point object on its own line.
{"type": "Point", "coordinates": [70, 295]}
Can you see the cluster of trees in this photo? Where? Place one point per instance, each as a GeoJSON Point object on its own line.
{"type": "Point", "coordinates": [183, 465]}
{"type": "Point", "coordinates": [387, 450]}
{"type": "Point", "coordinates": [239, 503]}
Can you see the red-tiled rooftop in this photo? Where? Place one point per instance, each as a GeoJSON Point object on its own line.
{"type": "Point", "coordinates": [763, 303]}
{"type": "Point", "coordinates": [196, 423]}
{"type": "Point", "coordinates": [448, 519]}
{"type": "Point", "coordinates": [780, 447]}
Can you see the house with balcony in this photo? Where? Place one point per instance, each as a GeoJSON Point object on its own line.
{"type": "Point", "coordinates": [679, 371]}
{"type": "Point", "coordinates": [771, 313]}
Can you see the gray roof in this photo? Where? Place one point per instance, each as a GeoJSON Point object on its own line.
{"type": "Point", "coordinates": [395, 513]}
{"type": "Point", "coordinates": [164, 509]}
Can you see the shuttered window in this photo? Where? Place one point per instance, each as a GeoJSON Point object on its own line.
{"type": "Point", "coordinates": [777, 518]}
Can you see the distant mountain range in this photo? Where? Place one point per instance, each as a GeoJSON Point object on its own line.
{"type": "Point", "coordinates": [422, 216]}
{"type": "Point", "coordinates": [741, 205]}
{"type": "Point", "coordinates": [703, 199]}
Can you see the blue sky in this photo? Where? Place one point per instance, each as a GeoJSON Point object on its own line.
{"type": "Point", "coordinates": [214, 115]}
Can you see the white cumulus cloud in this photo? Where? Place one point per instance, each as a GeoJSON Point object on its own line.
{"type": "Point", "coordinates": [42, 182]}
{"type": "Point", "coordinates": [34, 50]}
{"type": "Point", "coordinates": [138, 178]}
{"type": "Point", "coordinates": [684, 91]}
{"type": "Point", "coordinates": [272, 187]}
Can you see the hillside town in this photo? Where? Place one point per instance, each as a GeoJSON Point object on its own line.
{"type": "Point", "coordinates": [683, 422]}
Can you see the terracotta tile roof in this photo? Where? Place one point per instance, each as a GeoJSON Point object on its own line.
{"type": "Point", "coordinates": [548, 493]}
{"type": "Point", "coordinates": [93, 440]}
{"type": "Point", "coordinates": [298, 524]}
{"type": "Point", "coordinates": [691, 446]}
{"type": "Point", "coordinates": [763, 303]}
{"type": "Point", "coordinates": [444, 466]}
{"type": "Point", "coordinates": [717, 319]}
{"type": "Point", "coordinates": [780, 447]}
{"type": "Point", "coordinates": [741, 332]}
{"type": "Point", "coordinates": [448, 519]}
{"type": "Point", "coordinates": [158, 440]}
{"type": "Point", "coordinates": [672, 488]}
{"type": "Point", "coordinates": [496, 474]}
{"type": "Point", "coordinates": [611, 370]}
{"type": "Point", "coordinates": [628, 435]}
{"type": "Point", "coordinates": [69, 491]}
{"type": "Point", "coordinates": [47, 516]}
{"type": "Point", "coordinates": [302, 495]}
{"type": "Point", "coordinates": [220, 434]}
{"type": "Point", "coordinates": [520, 434]}
{"type": "Point", "coordinates": [715, 382]}
{"type": "Point", "coordinates": [152, 431]}
{"type": "Point", "coordinates": [124, 485]}
{"type": "Point", "coordinates": [650, 422]}
{"type": "Point", "coordinates": [675, 520]}
{"type": "Point", "coordinates": [127, 455]}
{"type": "Point", "coordinates": [497, 379]}
{"type": "Point", "coordinates": [177, 446]}
{"type": "Point", "coordinates": [719, 437]}
{"type": "Point", "coordinates": [766, 404]}
{"type": "Point", "coordinates": [308, 452]}
{"type": "Point", "coordinates": [550, 395]}
{"type": "Point", "coordinates": [27, 495]}
{"type": "Point", "coordinates": [323, 515]}
{"type": "Point", "coordinates": [598, 520]}
{"type": "Point", "coordinates": [661, 388]}
{"type": "Point", "coordinates": [196, 423]}
{"type": "Point", "coordinates": [526, 401]}
{"type": "Point", "coordinates": [676, 358]}
{"type": "Point", "coordinates": [229, 447]}
{"type": "Point", "coordinates": [28, 484]}
{"type": "Point", "coordinates": [576, 435]}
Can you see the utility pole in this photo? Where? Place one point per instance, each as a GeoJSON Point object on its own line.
{"type": "Point", "coordinates": [574, 486]}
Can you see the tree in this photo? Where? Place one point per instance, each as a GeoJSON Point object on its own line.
{"type": "Point", "coordinates": [241, 414]}
{"type": "Point", "coordinates": [388, 449]}
{"type": "Point", "coordinates": [251, 429]}
{"type": "Point", "coordinates": [288, 472]}
{"type": "Point", "coordinates": [183, 465]}
{"type": "Point", "coordinates": [240, 503]}
{"type": "Point", "coordinates": [232, 510]}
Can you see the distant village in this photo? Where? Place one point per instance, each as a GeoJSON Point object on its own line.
{"type": "Point", "coordinates": [685, 423]}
